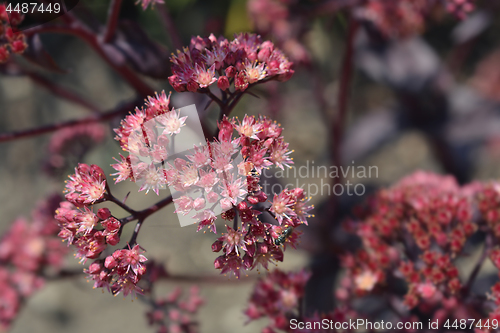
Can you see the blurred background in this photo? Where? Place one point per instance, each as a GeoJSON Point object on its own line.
{"type": "Point", "coordinates": [423, 96]}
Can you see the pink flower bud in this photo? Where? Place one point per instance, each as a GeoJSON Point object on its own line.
{"type": "Point", "coordinates": [111, 225]}
{"type": "Point", "coordinates": [103, 213]}
{"type": "Point", "coordinates": [163, 140]}
{"type": "Point", "coordinates": [118, 254]}
{"type": "Point", "coordinates": [243, 206]}
{"type": "Point", "coordinates": [230, 71]}
{"type": "Point", "coordinates": [219, 262]}
{"type": "Point", "coordinates": [223, 83]}
{"type": "Point", "coordinates": [199, 203]}
{"type": "Point", "coordinates": [262, 196]}
{"type": "Point", "coordinates": [252, 56]}
{"type": "Point", "coordinates": [212, 197]}
{"type": "Point", "coordinates": [230, 59]}
{"type": "Point", "coordinates": [192, 86]}
{"type": "Point", "coordinates": [18, 46]}
{"type": "Point", "coordinates": [217, 246]}
{"type": "Point", "coordinates": [113, 239]}
{"type": "Point", "coordinates": [265, 51]}
{"type": "Point", "coordinates": [241, 82]}
{"type": "Point", "coordinates": [176, 84]}
{"type": "Point", "coordinates": [247, 261]}
{"type": "Point", "coordinates": [110, 262]}
{"type": "Point", "coordinates": [95, 268]}
{"type": "Point", "coordinates": [253, 200]}
{"type": "Point", "coordinates": [97, 172]}
{"type": "Point", "coordinates": [225, 204]}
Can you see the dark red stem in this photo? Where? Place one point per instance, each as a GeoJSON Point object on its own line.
{"type": "Point", "coordinates": [120, 111]}
{"type": "Point", "coordinates": [113, 15]}
{"type": "Point", "coordinates": [339, 120]}
{"type": "Point", "coordinates": [108, 52]}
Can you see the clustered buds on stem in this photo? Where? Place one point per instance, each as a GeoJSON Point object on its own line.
{"type": "Point", "coordinates": [415, 231]}
{"type": "Point", "coordinates": [148, 132]}
{"type": "Point", "coordinates": [404, 18]}
{"type": "Point", "coordinates": [424, 211]}
{"type": "Point", "coordinates": [91, 233]}
{"type": "Point", "coordinates": [278, 296]}
{"type": "Point", "coordinates": [145, 3]}
{"type": "Point", "coordinates": [224, 183]}
{"type": "Point", "coordinates": [240, 62]}
{"type": "Point", "coordinates": [26, 251]}
{"type": "Point", "coordinates": [68, 145]}
{"type": "Point", "coordinates": [173, 313]}
{"type": "Point", "coordinates": [11, 41]}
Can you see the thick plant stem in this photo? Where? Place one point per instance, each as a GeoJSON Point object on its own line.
{"type": "Point", "coordinates": [339, 119]}
{"type": "Point", "coordinates": [113, 15]}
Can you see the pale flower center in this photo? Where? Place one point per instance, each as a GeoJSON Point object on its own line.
{"type": "Point", "coordinates": [366, 281]}
{"type": "Point", "coordinates": [253, 75]}
{"type": "Point", "coordinates": [279, 207]}
{"type": "Point", "coordinates": [173, 125]}
{"type": "Point", "coordinates": [247, 130]}
{"type": "Point", "coordinates": [190, 176]}
{"type": "Point", "coordinates": [204, 79]}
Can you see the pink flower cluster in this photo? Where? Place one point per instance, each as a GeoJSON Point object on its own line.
{"type": "Point", "coordinates": [138, 136]}
{"type": "Point", "coordinates": [404, 18]}
{"type": "Point", "coordinates": [91, 233]}
{"type": "Point", "coordinates": [173, 314]}
{"type": "Point", "coordinates": [86, 186]}
{"type": "Point", "coordinates": [10, 40]}
{"type": "Point", "coordinates": [145, 3]}
{"type": "Point", "coordinates": [415, 231]}
{"type": "Point", "coordinates": [489, 207]}
{"type": "Point", "coordinates": [460, 8]}
{"type": "Point", "coordinates": [285, 22]}
{"type": "Point", "coordinates": [395, 19]}
{"type": "Point", "coordinates": [261, 147]}
{"type": "Point", "coordinates": [244, 61]}
{"type": "Point", "coordinates": [278, 296]}
{"type": "Point", "coordinates": [72, 143]}
{"type": "Point", "coordinates": [119, 272]}
{"type": "Point", "coordinates": [26, 250]}
{"type": "Point", "coordinates": [423, 211]}
{"type": "Point", "coordinates": [207, 170]}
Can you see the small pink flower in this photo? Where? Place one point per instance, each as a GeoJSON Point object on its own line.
{"type": "Point", "coordinates": [86, 221]}
{"type": "Point", "coordinates": [366, 280]}
{"type": "Point", "coordinates": [131, 259]}
{"type": "Point", "coordinates": [172, 122]}
{"type": "Point", "coordinates": [204, 77]}
{"type": "Point", "coordinates": [206, 218]}
{"type": "Point", "coordinates": [151, 179]}
{"type": "Point", "coordinates": [249, 127]}
{"type": "Point", "coordinates": [426, 290]}
{"type": "Point", "coordinates": [124, 169]}
{"type": "Point", "coordinates": [200, 157]}
{"type": "Point", "coordinates": [282, 206]}
{"type": "Point", "coordinates": [87, 185]}
{"type": "Point", "coordinates": [233, 240]}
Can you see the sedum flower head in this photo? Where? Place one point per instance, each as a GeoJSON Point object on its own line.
{"type": "Point", "coordinates": [245, 60]}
